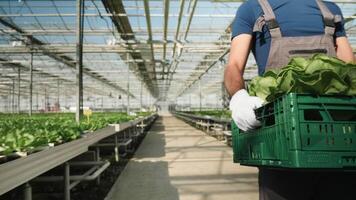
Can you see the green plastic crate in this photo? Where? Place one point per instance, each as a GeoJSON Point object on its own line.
{"type": "Point", "coordinates": [301, 131]}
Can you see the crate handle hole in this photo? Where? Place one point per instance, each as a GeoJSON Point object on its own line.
{"type": "Point", "coordinates": [343, 115]}
{"type": "Point", "coordinates": [332, 128]}
{"type": "Point", "coordinates": [312, 115]}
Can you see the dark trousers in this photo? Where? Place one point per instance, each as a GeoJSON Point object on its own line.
{"type": "Point", "coordinates": [306, 185]}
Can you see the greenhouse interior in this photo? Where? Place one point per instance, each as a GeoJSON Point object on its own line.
{"type": "Point", "coordinates": [128, 99]}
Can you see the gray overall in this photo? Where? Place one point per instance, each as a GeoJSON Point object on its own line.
{"type": "Point", "coordinates": [284, 48]}
{"type": "Point", "coordinates": [291, 184]}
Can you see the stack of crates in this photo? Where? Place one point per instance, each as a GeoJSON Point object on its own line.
{"type": "Point", "coordinates": [301, 131]}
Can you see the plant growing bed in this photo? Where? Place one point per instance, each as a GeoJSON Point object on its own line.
{"type": "Point", "coordinates": [21, 135]}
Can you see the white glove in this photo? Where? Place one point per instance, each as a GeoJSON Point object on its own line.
{"type": "Point", "coordinates": [242, 106]}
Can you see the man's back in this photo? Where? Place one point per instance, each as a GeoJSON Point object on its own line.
{"type": "Point", "coordinates": [295, 17]}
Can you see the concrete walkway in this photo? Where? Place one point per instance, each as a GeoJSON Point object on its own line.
{"type": "Point", "coordinates": [178, 162]}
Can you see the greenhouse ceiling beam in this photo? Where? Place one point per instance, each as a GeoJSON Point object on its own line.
{"type": "Point", "coordinates": [201, 74]}
{"type": "Point", "coordinates": [175, 62]}
{"type": "Point", "coordinates": [349, 19]}
{"type": "Point", "coordinates": [349, 22]}
{"type": "Point", "coordinates": [190, 19]}
{"type": "Point", "coordinates": [2, 76]}
{"type": "Point", "coordinates": [39, 90]}
{"type": "Point", "coordinates": [123, 26]}
{"type": "Point", "coordinates": [181, 9]}
{"type": "Point", "coordinates": [24, 88]}
{"type": "Point", "coordinates": [42, 73]}
{"type": "Point", "coordinates": [165, 27]}
{"type": "Point", "coordinates": [226, 32]}
{"type": "Point", "coordinates": [24, 68]}
{"type": "Point", "coordinates": [61, 58]}
{"type": "Point", "coordinates": [24, 91]}
{"type": "Point", "coordinates": [149, 29]}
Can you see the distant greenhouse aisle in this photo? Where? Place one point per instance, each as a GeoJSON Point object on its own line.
{"type": "Point", "coordinates": [176, 161]}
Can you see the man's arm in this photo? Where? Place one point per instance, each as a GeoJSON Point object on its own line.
{"type": "Point", "coordinates": [344, 50]}
{"type": "Point", "coordinates": [240, 49]}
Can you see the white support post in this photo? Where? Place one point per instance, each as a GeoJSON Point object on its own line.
{"type": "Point", "coordinates": [31, 85]}
{"type": "Point", "coordinates": [128, 85]}
{"type": "Point", "coordinates": [27, 191]}
{"type": "Point", "coordinates": [199, 94]}
{"type": "Point", "coordinates": [66, 181]}
{"type": "Point", "coordinates": [79, 59]}
{"type": "Point", "coordinates": [13, 97]}
{"type": "Point", "coordinates": [18, 90]}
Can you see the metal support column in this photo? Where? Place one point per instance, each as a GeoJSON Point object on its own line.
{"type": "Point", "coordinates": [190, 101]}
{"type": "Point", "coordinates": [117, 103]}
{"type": "Point", "coordinates": [45, 100]}
{"type": "Point", "coordinates": [27, 193]}
{"type": "Point", "coordinates": [199, 94]}
{"type": "Point", "coordinates": [128, 85]}
{"type": "Point", "coordinates": [37, 105]}
{"type": "Point", "coordinates": [191, 14]}
{"type": "Point", "coordinates": [65, 98]}
{"type": "Point", "coordinates": [165, 27]}
{"type": "Point", "coordinates": [102, 103]}
{"type": "Point", "coordinates": [58, 105]}
{"type": "Point", "coordinates": [13, 97]}
{"type": "Point", "coordinates": [79, 59]}
{"type": "Point", "coordinates": [181, 9]}
{"type": "Point", "coordinates": [149, 102]}
{"type": "Point", "coordinates": [149, 29]}
{"type": "Point", "coordinates": [116, 149]}
{"type": "Point", "coordinates": [98, 159]}
{"type": "Point", "coordinates": [18, 89]}
{"type": "Point", "coordinates": [141, 96]}
{"type": "Point", "coordinates": [9, 99]}
{"type": "Point", "coordinates": [31, 82]}
{"type": "Point", "coordinates": [66, 181]}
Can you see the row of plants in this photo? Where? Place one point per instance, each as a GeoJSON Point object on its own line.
{"type": "Point", "coordinates": [20, 133]}
{"type": "Point", "coordinates": [222, 114]}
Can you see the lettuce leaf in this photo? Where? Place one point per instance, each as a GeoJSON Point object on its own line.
{"type": "Point", "coordinates": [319, 75]}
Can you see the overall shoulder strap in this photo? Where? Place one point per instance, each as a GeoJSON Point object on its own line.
{"type": "Point", "coordinates": [329, 18]}
{"type": "Point", "coordinates": [270, 19]}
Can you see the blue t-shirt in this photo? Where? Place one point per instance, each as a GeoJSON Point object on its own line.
{"type": "Point", "coordinates": [295, 18]}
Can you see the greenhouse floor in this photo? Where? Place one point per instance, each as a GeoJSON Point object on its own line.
{"type": "Point", "coordinates": [177, 162]}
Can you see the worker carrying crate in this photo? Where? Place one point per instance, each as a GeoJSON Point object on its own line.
{"type": "Point", "coordinates": [303, 144]}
